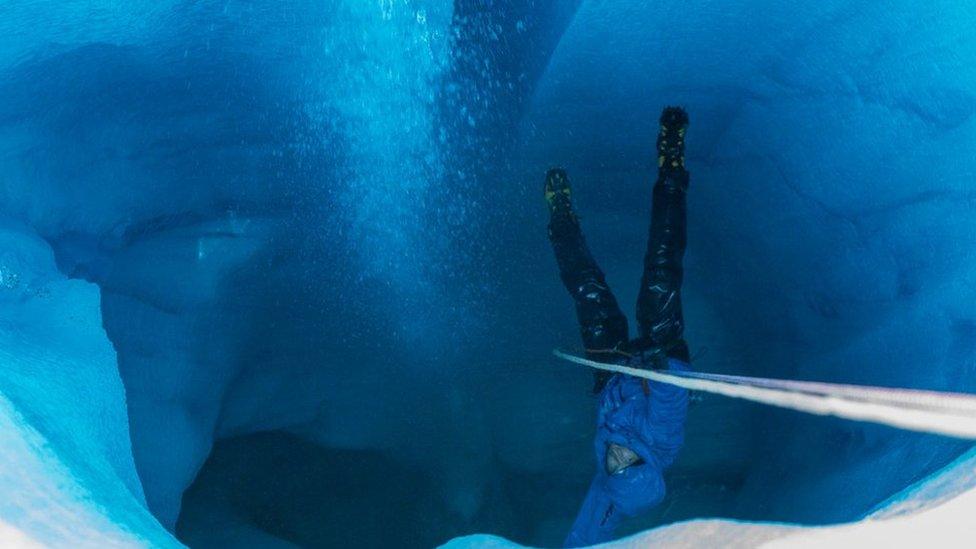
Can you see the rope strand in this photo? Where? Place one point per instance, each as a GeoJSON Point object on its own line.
{"type": "Point", "coordinates": [950, 414]}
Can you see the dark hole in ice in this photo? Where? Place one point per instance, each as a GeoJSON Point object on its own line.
{"type": "Point", "coordinates": [274, 488]}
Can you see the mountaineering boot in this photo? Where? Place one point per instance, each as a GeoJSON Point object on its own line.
{"type": "Point", "coordinates": [671, 140]}
{"type": "Point", "coordinates": [557, 192]}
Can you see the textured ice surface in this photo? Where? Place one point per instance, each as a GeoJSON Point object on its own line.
{"type": "Point", "coordinates": [66, 466]}
{"type": "Point", "coordinates": [188, 184]}
{"type": "Point", "coordinates": [829, 209]}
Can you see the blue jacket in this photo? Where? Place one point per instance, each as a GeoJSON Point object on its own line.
{"type": "Point", "coordinates": [652, 425]}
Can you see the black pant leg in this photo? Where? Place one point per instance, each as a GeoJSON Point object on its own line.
{"type": "Point", "coordinates": [659, 315]}
{"type": "Point", "coordinates": [603, 325]}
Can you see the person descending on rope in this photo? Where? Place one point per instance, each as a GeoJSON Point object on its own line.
{"type": "Point", "coordinates": [640, 424]}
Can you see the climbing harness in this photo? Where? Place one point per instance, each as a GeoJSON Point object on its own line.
{"type": "Point", "coordinates": [950, 414]}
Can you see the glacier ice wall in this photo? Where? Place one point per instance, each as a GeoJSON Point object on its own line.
{"type": "Point", "coordinates": [66, 462]}
{"type": "Point", "coordinates": [184, 183]}
{"type": "Point", "coordinates": [830, 208]}
{"type": "Point", "coordinates": [321, 220]}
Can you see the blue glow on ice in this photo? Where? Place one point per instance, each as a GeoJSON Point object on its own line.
{"type": "Point", "coordinates": [320, 221]}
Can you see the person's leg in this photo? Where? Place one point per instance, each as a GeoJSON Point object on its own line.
{"type": "Point", "coordinates": [659, 315]}
{"type": "Point", "coordinates": [602, 323]}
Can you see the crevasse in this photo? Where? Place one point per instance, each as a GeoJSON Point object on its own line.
{"type": "Point", "coordinates": [281, 267]}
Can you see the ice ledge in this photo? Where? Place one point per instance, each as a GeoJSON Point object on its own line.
{"type": "Point", "coordinates": [66, 464]}
{"type": "Point", "coordinates": [936, 511]}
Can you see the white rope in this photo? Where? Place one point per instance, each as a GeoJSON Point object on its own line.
{"type": "Point", "coordinates": [951, 414]}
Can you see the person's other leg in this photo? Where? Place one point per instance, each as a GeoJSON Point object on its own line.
{"type": "Point", "coordinates": [602, 323]}
{"type": "Point", "coordinates": [659, 315]}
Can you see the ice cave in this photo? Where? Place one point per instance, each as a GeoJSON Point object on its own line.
{"type": "Point", "coordinates": [274, 273]}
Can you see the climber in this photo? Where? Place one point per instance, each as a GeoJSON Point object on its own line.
{"type": "Point", "coordinates": [640, 424]}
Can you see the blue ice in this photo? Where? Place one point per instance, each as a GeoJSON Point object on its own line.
{"type": "Point", "coordinates": [315, 228]}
